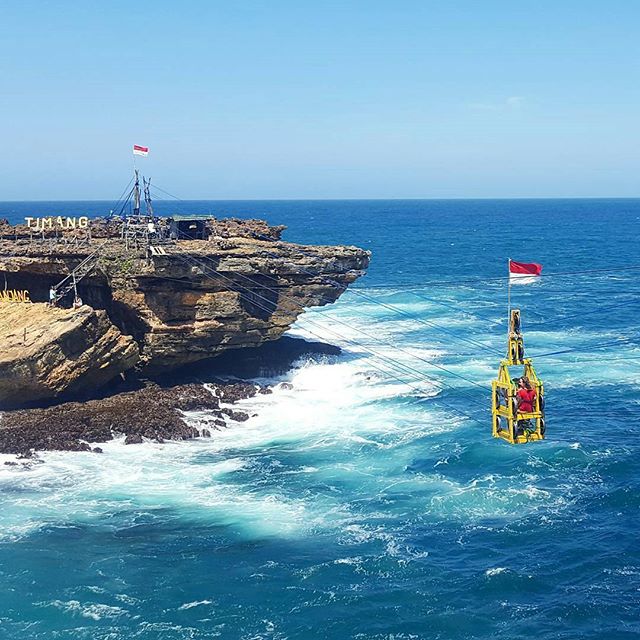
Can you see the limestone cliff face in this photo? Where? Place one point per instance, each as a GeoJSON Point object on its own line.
{"type": "Point", "coordinates": [200, 299]}
{"type": "Point", "coordinates": [46, 352]}
{"type": "Point", "coordinates": [203, 299]}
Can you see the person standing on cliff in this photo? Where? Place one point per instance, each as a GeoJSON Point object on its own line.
{"type": "Point", "coordinates": [52, 297]}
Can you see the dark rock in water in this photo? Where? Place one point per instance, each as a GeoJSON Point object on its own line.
{"type": "Point", "coordinates": [97, 450]}
{"type": "Point", "coordinates": [238, 416]}
{"type": "Point", "coordinates": [286, 385]}
{"type": "Point", "coordinates": [237, 391]}
{"type": "Point", "coordinates": [153, 412]}
{"type": "Point", "coordinates": [73, 444]}
{"type": "Point", "coordinates": [268, 360]}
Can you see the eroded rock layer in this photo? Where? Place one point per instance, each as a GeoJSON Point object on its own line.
{"type": "Point", "coordinates": [155, 310]}
{"type": "Point", "coordinates": [47, 351]}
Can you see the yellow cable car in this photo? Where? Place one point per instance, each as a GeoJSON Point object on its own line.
{"type": "Point", "coordinates": [508, 423]}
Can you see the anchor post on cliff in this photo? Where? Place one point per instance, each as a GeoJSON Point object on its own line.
{"type": "Point", "coordinates": [136, 193]}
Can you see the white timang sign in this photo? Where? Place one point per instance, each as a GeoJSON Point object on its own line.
{"type": "Point", "coordinates": [14, 295]}
{"type": "Point", "coordinates": [57, 222]}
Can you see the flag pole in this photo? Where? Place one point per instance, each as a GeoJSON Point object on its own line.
{"type": "Point", "coordinates": [508, 296]}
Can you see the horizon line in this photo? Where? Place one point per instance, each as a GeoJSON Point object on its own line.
{"type": "Point", "coordinates": [395, 199]}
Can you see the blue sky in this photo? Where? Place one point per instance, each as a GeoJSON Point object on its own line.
{"type": "Point", "coordinates": [282, 99]}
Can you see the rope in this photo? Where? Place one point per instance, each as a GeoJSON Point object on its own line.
{"type": "Point", "coordinates": [576, 349]}
{"type": "Point", "coordinates": [601, 360]}
{"type": "Point", "coordinates": [432, 325]}
{"type": "Point", "coordinates": [527, 323]}
{"type": "Point", "coordinates": [126, 201]}
{"type": "Point", "coordinates": [427, 323]}
{"type": "Point", "coordinates": [451, 281]}
{"type": "Point", "coordinates": [156, 187]}
{"type": "Point", "coordinates": [456, 410]}
{"type": "Point", "coordinates": [583, 313]}
{"type": "Point", "coordinates": [538, 323]}
{"type": "Point", "coordinates": [115, 206]}
{"type": "Point", "coordinates": [589, 347]}
{"type": "Point", "coordinates": [280, 295]}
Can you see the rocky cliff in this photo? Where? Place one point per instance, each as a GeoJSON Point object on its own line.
{"type": "Point", "coordinates": [47, 351]}
{"type": "Point", "coordinates": [154, 310]}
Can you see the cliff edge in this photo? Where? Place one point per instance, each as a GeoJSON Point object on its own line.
{"type": "Point", "coordinates": [150, 306]}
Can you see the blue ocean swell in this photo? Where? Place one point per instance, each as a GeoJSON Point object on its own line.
{"type": "Point", "coordinates": [355, 506]}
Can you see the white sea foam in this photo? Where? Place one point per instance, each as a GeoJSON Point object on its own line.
{"type": "Point", "coordinates": [191, 605]}
{"type": "Point", "coordinates": [94, 611]}
{"type": "Point", "coordinates": [351, 428]}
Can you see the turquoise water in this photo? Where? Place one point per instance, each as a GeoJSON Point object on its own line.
{"type": "Point", "coordinates": [370, 502]}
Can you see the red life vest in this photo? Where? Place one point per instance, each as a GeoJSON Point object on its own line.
{"type": "Point", "coordinates": [527, 399]}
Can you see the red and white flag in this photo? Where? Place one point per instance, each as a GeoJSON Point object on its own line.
{"type": "Point", "coordinates": [524, 269]}
{"type": "Point", "coordinates": [140, 151]}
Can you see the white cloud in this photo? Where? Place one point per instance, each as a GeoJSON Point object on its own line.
{"type": "Point", "coordinates": [483, 106]}
{"type": "Point", "coordinates": [510, 103]}
{"type": "Point", "coordinates": [515, 102]}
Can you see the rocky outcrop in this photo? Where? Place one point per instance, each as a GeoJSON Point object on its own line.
{"type": "Point", "coordinates": [156, 311]}
{"type": "Point", "coordinates": [151, 413]}
{"type": "Point", "coordinates": [46, 351]}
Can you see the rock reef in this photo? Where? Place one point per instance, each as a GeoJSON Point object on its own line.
{"type": "Point", "coordinates": [143, 410]}
{"type": "Point", "coordinates": [153, 413]}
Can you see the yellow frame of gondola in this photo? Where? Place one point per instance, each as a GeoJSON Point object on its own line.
{"type": "Point", "coordinates": [505, 389]}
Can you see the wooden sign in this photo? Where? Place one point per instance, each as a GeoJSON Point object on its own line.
{"type": "Point", "coordinates": [56, 222]}
{"type": "Point", "coordinates": [14, 295]}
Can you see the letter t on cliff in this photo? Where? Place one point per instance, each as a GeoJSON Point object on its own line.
{"type": "Point", "coordinates": [28, 220]}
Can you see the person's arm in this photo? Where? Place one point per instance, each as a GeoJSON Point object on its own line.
{"type": "Point", "coordinates": [519, 400]}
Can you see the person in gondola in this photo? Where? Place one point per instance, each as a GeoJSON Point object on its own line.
{"type": "Point", "coordinates": [525, 399]}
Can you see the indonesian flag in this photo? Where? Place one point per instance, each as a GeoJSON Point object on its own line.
{"type": "Point", "coordinates": [140, 151]}
{"type": "Point", "coordinates": [524, 269]}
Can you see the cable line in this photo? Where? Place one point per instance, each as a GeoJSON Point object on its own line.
{"type": "Point", "coordinates": [582, 313]}
{"type": "Point", "coordinates": [575, 349]}
{"type": "Point", "coordinates": [589, 347]}
{"type": "Point", "coordinates": [119, 200]}
{"type": "Point", "coordinates": [534, 323]}
{"type": "Point", "coordinates": [600, 360]}
{"type": "Point", "coordinates": [404, 366]}
{"type": "Point", "coordinates": [393, 346]}
{"type": "Point", "coordinates": [298, 304]}
{"type": "Point", "coordinates": [426, 322]}
{"type": "Point", "coordinates": [433, 325]}
{"type": "Point", "coordinates": [452, 281]}
{"type": "Point", "coordinates": [155, 186]}
{"type": "Point", "coordinates": [421, 320]}
{"type": "Point", "coordinates": [456, 410]}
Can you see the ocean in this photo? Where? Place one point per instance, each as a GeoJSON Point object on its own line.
{"type": "Point", "coordinates": [370, 501]}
